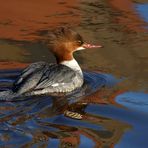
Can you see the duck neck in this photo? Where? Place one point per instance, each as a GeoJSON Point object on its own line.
{"type": "Point", "coordinates": [73, 64]}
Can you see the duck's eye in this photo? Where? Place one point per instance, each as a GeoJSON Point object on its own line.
{"type": "Point", "coordinates": [79, 42]}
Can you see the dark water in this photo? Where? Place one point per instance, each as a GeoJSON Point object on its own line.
{"type": "Point", "coordinates": [112, 106]}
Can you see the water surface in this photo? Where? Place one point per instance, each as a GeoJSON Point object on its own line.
{"type": "Point", "coordinates": [113, 103]}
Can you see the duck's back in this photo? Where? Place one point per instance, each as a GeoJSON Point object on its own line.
{"type": "Point", "coordinates": [43, 78]}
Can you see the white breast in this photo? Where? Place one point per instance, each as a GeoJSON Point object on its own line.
{"type": "Point", "coordinates": [73, 64]}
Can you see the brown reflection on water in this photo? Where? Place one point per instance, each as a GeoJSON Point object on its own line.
{"type": "Point", "coordinates": [125, 51]}
{"type": "Point", "coordinates": [19, 19]}
{"type": "Point", "coordinates": [128, 15]}
{"type": "Point", "coordinates": [106, 138]}
{"type": "Point", "coordinates": [11, 52]}
{"type": "Point", "coordinates": [12, 65]}
{"type": "Point", "coordinates": [108, 133]}
{"type": "Point", "coordinates": [70, 135]}
{"type": "Point", "coordinates": [103, 96]}
{"type": "Point", "coordinates": [135, 40]}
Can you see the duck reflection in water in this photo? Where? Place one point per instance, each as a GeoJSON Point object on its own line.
{"type": "Point", "coordinates": [63, 121]}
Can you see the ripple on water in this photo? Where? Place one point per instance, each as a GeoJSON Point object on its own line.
{"type": "Point", "coordinates": [41, 120]}
{"type": "Point", "coordinates": [137, 101]}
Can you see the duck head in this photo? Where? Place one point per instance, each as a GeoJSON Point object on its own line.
{"type": "Point", "coordinates": [64, 41]}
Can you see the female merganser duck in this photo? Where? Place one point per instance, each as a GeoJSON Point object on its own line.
{"type": "Point", "coordinates": [65, 76]}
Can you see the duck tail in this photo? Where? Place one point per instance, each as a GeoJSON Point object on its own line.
{"type": "Point", "coordinates": [7, 95]}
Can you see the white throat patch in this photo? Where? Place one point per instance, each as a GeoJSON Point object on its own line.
{"type": "Point", "coordinates": [80, 48]}
{"type": "Point", "coordinates": [73, 64]}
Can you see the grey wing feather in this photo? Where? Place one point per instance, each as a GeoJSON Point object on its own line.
{"type": "Point", "coordinates": [39, 76]}
{"type": "Point", "coordinates": [29, 70]}
{"type": "Point", "coordinates": [59, 74]}
{"type": "Point", "coordinates": [29, 77]}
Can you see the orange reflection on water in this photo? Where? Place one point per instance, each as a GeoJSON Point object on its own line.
{"type": "Point", "coordinates": [128, 16]}
{"type": "Point", "coordinates": [19, 19]}
{"type": "Point", "coordinates": [12, 65]}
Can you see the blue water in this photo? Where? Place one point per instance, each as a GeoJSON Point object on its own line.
{"type": "Point", "coordinates": [137, 101]}
{"type": "Point", "coordinates": [143, 11]}
{"type": "Point", "coordinates": [43, 118]}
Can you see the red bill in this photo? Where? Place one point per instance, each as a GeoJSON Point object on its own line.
{"type": "Point", "coordinates": [86, 45]}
